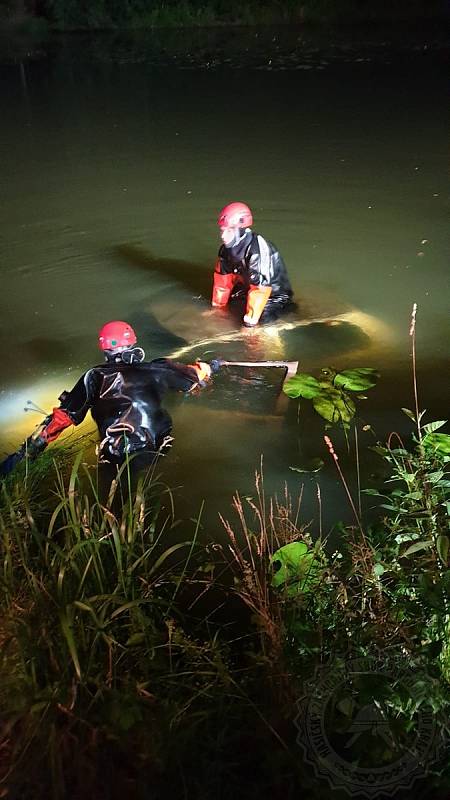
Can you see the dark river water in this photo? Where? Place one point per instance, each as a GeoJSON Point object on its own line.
{"type": "Point", "coordinates": [117, 154]}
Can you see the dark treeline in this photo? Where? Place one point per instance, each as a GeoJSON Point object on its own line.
{"type": "Point", "coordinates": [113, 14]}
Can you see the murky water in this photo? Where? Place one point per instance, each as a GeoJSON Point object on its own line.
{"type": "Point", "coordinates": [116, 156]}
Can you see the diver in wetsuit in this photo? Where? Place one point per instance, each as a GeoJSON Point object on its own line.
{"type": "Point", "coordinates": [248, 263]}
{"type": "Point", "coordinates": [124, 396]}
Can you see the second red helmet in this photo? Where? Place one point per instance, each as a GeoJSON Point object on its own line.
{"type": "Point", "coordinates": [116, 334]}
{"type": "Point", "coordinates": [235, 215]}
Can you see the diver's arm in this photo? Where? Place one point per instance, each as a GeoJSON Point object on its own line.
{"type": "Point", "coordinates": [72, 410]}
{"type": "Point", "coordinates": [180, 377]}
{"type": "Point", "coordinates": [78, 401]}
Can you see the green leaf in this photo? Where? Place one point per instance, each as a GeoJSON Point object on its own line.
{"type": "Point", "coordinates": [168, 553]}
{"type": "Point", "coordinates": [124, 712]}
{"type": "Point", "coordinates": [136, 638]}
{"type": "Point", "coordinates": [434, 477]}
{"type": "Point", "coordinates": [302, 385]}
{"type": "Point", "coordinates": [334, 406]}
{"type": "Point", "coordinates": [417, 546]}
{"type": "Point", "coordinates": [409, 414]}
{"type": "Point", "coordinates": [442, 545]}
{"type": "Point", "coordinates": [315, 465]}
{"type": "Point", "coordinates": [379, 450]}
{"type": "Point", "coordinates": [411, 495]}
{"type": "Point", "coordinates": [297, 572]}
{"type": "Point", "coordinates": [378, 570]}
{"type": "Point", "coordinates": [126, 606]}
{"type": "Point", "coordinates": [438, 441]}
{"type": "Point", "coordinates": [434, 426]}
{"type": "Point", "coordinates": [357, 380]}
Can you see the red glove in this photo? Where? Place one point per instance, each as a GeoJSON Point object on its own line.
{"type": "Point", "coordinates": [59, 421]}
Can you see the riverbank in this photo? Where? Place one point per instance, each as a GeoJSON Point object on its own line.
{"type": "Point", "coordinates": [140, 656]}
{"type": "Point", "coordinates": [101, 15]}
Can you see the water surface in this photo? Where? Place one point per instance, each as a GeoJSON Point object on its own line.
{"type": "Point", "coordinates": [116, 155]}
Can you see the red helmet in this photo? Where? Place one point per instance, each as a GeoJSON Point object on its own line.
{"type": "Point", "coordinates": [235, 215]}
{"type": "Point", "coordinates": [116, 334]}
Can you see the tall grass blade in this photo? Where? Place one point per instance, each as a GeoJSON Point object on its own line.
{"type": "Point", "coordinates": [69, 637]}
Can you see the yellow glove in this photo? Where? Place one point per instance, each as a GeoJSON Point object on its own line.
{"type": "Point", "coordinates": [257, 298]}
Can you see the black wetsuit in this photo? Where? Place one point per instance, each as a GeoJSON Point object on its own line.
{"type": "Point", "coordinates": [258, 263]}
{"type": "Point", "coordinates": [125, 402]}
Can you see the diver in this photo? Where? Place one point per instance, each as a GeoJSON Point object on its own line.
{"type": "Point", "coordinates": [251, 266]}
{"type": "Point", "coordinates": [124, 396]}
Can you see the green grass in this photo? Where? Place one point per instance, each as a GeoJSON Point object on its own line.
{"type": "Point", "coordinates": [110, 683]}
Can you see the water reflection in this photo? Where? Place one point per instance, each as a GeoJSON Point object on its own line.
{"type": "Point", "coordinates": [156, 337]}
{"type": "Point", "coordinates": [327, 339]}
{"type": "Point", "coordinates": [195, 278]}
{"type": "Point", "coordinates": [45, 350]}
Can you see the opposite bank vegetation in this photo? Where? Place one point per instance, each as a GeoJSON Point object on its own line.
{"type": "Point", "coordinates": [72, 15]}
{"type": "Point", "coordinates": [139, 658]}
